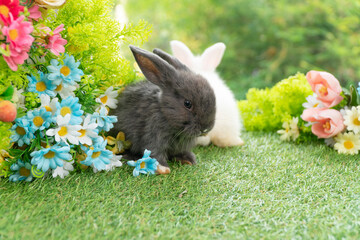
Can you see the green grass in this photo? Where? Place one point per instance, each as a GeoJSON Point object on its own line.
{"type": "Point", "coordinates": [267, 189]}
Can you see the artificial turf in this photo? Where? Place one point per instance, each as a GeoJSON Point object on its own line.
{"type": "Point", "coordinates": [266, 189]}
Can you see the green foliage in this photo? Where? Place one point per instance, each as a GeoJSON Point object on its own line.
{"type": "Point", "coordinates": [94, 39]}
{"type": "Point", "coordinates": [8, 77]}
{"type": "Point", "coordinates": [267, 109]}
{"type": "Point", "coordinates": [266, 39]}
{"type": "Point", "coordinates": [4, 135]}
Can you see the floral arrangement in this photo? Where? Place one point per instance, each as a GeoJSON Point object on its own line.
{"type": "Point", "coordinates": [327, 112]}
{"type": "Point", "coordinates": [61, 71]}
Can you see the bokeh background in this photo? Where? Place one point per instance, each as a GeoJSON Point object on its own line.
{"type": "Point", "coordinates": [267, 40]}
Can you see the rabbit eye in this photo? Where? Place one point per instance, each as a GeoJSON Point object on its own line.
{"type": "Point", "coordinates": [187, 104]}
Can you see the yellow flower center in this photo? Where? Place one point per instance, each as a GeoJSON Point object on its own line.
{"type": "Point", "coordinates": [348, 145]}
{"type": "Point", "coordinates": [38, 121]}
{"type": "Point", "coordinates": [142, 165]}
{"type": "Point", "coordinates": [95, 154]}
{"type": "Point", "coordinates": [24, 172]}
{"type": "Point", "coordinates": [65, 70]}
{"type": "Point", "coordinates": [20, 131]}
{"type": "Point", "coordinates": [315, 105]}
{"type": "Point", "coordinates": [63, 131]}
{"type": "Point", "coordinates": [59, 87]}
{"type": "Point", "coordinates": [323, 91]}
{"type": "Point", "coordinates": [48, 108]}
{"type": "Point", "coordinates": [104, 99]}
{"type": "Point", "coordinates": [13, 34]}
{"type": "Point", "coordinates": [40, 86]}
{"type": "Point", "coordinates": [82, 131]}
{"type": "Point", "coordinates": [64, 111]}
{"type": "Point", "coordinates": [4, 10]}
{"type": "Point", "coordinates": [356, 121]}
{"type": "Point", "coordinates": [327, 125]}
{"type": "Point", "coordinates": [49, 155]}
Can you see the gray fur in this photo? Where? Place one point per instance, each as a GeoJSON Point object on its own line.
{"type": "Point", "coordinates": [152, 113]}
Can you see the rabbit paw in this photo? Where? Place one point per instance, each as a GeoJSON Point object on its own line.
{"type": "Point", "coordinates": [225, 142]}
{"type": "Point", "coordinates": [162, 170]}
{"type": "Point", "coordinates": [203, 140]}
{"type": "Point", "coordinates": [186, 158]}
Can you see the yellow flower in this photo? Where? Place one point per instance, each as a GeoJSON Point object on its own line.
{"type": "Point", "coordinates": [119, 144]}
{"type": "Point", "coordinates": [79, 158]}
{"type": "Point", "coordinates": [347, 143]}
{"type": "Point", "coordinates": [4, 168]}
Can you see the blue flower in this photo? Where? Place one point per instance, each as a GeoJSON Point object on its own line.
{"type": "Point", "coordinates": [51, 157]}
{"type": "Point", "coordinates": [103, 121]}
{"type": "Point", "coordinates": [71, 106]}
{"type": "Point", "coordinates": [39, 119]}
{"type": "Point", "coordinates": [67, 73]}
{"type": "Point", "coordinates": [22, 172]}
{"type": "Point", "coordinates": [43, 86]}
{"type": "Point", "coordinates": [22, 131]}
{"type": "Point", "coordinates": [97, 154]}
{"type": "Point", "coordinates": [144, 165]}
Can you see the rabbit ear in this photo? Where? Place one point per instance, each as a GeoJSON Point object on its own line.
{"type": "Point", "coordinates": [152, 66]}
{"type": "Point", "coordinates": [212, 56]}
{"type": "Point", "coordinates": [170, 59]}
{"type": "Point", "coordinates": [182, 52]}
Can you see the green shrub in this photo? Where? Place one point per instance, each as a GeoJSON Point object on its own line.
{"type": "Point", "coordinates": [267, 109]}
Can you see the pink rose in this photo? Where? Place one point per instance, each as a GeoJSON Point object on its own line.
{"type": "Point", "coordinates": [326, 87]}
{"type": "Point", "coordinates": [327, 122]}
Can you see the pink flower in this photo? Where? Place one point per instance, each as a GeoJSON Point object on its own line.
{"type": "Point", "coordinates": [15, 58]}
{"type": "Point", "coordinates": [327, 122]}
{"type": "Point", "coordinates": [9, 8]}
{"type": "Point", "coordinates": [326, 87]}
{"type": "Point", "coordinates": [19, 41]}
{"type": "Point", "coordinates": [54, 40]}
{"type": "Point", "coordinates": [35, 14]}
{"type": "Point", "coordinates": [18, 34]}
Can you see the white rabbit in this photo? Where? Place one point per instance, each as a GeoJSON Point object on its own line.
{"type": "Point", "coordinates": [226, 131]}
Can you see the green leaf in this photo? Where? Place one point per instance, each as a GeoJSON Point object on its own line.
{"type": "Point", "coordinates": [8, 93]}
{"type": "Point", "coordinates": [354, 96]}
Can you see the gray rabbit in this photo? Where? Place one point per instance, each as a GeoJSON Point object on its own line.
{"type": "Point", "coordinates": [166, 113]}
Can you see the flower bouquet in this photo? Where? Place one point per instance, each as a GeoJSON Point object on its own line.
{"type": "Point", "coordinates": [57, 85]}
{"type": "Point", "coordinates": [308, 107]}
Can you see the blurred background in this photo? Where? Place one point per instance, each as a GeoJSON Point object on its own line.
{"type": "Point", "coordinates": [267, 40]}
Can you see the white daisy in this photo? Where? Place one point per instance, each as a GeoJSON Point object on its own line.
{"type": "Point", "coordinates": [347, 143]}
{"type": "Point", "coordinates": [352, 119]}
{"type": "Point", "coordinates": [18, 98]}
{"type": "Point", "coordinates": [114, 163]}
{"type": "Point", "coordinates": [108, 98]}
{"type": "Point", "coordinates": [99, 108]}
{"type": "Point", "coordinates": [65, 90]}
{"type": "Point", "coordinates": [290, 130]}
{"type": "Point", "coordinates": [313, 102]}
{"type": "Point", "coordinates": [64, 170]}
{"type": "Point", "coordinates": [87, 131]}
{"type": "Point", "coordinates": [50, 105]}
{"type": "Point", "coordinates": [65, 131]}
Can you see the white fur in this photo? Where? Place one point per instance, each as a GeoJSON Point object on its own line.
{"type": "Point", "coordinates": [226, 131]}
